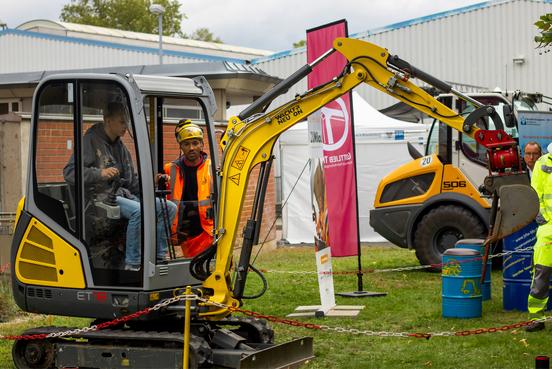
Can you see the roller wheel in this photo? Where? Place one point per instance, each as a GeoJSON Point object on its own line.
{"type": "Point", "coordinates": [37, 354]}
{"type": "Point", "coordinates": [439, 230]}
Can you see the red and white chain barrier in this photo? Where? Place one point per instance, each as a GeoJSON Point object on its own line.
{"type": "Point", "coordinates": [273, 319]}
{"type": "Point", "coordinates": [398, 269]}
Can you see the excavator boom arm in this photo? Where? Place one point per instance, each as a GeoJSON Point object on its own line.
{"type": "Point", "coordinates": [250, 141]}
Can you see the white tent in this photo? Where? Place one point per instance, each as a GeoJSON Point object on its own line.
{"type": "Point", "coordinates": [380, 147]}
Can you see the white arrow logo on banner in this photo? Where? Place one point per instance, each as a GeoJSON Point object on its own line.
{"type": "Point", "coordinates": [342, 114]}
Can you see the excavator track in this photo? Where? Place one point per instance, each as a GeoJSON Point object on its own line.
{"type": "Point", "coordinates": [210, 347]}
{"type": "Point", "coordinates": [109, 348]}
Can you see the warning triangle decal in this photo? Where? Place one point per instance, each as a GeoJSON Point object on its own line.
{"type": "Point", "coordinates": [236, 179]}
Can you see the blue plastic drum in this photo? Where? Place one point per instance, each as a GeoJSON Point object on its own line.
{"type": "Point", "coordinates": [517, 268]}
{"type": "Point", "coordinates": [477, 244]}
{"type": "Point", "coordinates": [461, 279]}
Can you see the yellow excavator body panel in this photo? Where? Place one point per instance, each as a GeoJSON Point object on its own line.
{"type": "Point", "coordinates": [45, 259]}
{"type": "Point", "coordinates": [20, 206]}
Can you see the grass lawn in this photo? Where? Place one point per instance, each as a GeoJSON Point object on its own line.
{"type": "Point", "coordinates": [413, 304]}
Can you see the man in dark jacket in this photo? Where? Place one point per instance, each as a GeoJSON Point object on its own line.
{"type": "Point", "coordinates": [106, 159]}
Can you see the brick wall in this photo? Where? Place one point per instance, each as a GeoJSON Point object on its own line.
{"type": "Point", "coordinates": [54, 147]}
{"type": "Point", "coordinates": [53, 154]}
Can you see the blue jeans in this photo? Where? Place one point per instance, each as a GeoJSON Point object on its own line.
{"type": "Point", "coordinates": [130, 209]}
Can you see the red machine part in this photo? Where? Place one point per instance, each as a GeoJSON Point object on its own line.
{"type": "Point", "coordinates": [502, 150]}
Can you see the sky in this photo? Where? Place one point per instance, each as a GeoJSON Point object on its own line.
{"type": "Point", "coordinates": [271, 25]}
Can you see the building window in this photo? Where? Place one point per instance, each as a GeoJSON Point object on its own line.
{"type": "Point", "coordinates": [7, 106]}
{"type": "Point", "coordinates": [174, 110]}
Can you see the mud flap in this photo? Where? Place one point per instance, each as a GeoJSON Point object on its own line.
{"type": "Point", "coordinates": [519, 205]}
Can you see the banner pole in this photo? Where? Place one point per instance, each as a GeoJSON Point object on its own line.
{"type": "Point", "coordinates": [360, 291]}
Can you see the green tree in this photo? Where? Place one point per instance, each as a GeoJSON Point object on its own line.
{"type": "Point", "coordinates": [544, 25]}
{"type": "Point", "coordinates": [132, 15]}
{"type": "Point", "coordinates": [203, 34]}
{"type": "Point", "coordinates": [129, 15]}
{"type": "Point", "coordinates": [299, 44]}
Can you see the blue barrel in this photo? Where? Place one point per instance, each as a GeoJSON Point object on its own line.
{"type": "Point", "coordinates": [461, 274]}
{"type": "Point", "coordinates": [517, 268]}
{"type": "Point", "coordinates": [477, 244]}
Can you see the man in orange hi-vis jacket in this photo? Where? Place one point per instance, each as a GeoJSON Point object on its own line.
{"type": "Point", "coordinates": [190, 185]}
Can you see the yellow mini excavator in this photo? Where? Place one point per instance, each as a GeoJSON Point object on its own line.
{"type": "Point", "coordinates": [71, 239]}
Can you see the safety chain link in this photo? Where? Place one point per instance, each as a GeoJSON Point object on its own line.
{"type": "Point", "coordinates": [104, 325]}
{"type": "Point", "coordinates": [398, 269]}
{"type": "Point", "coordinates": [471, 332]}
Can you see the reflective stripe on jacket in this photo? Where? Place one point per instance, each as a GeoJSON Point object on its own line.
{"type": "Point", "coordinates": [176, 184]}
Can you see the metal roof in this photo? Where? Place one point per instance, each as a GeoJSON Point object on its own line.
{"type": "Point", "coordinates": [474, 48]}
{"type": "Point", "coordinates": [120, 46]}
{"type": "Point", "coordinates": [116, 35]}
{"type": "Point", "coordinates": [403, 24]}
{"type": "Point", "coordinates": [211, 70]}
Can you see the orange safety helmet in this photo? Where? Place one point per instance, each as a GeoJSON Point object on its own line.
{"type": "Point", "coordinates": [186, 130]}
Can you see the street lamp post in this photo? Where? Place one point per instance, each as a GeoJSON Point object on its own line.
{"type": "Point", "coordinates": [159, 10]}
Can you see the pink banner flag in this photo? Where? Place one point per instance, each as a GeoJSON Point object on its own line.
{"type": "Point", "coordinates": [337, 218]}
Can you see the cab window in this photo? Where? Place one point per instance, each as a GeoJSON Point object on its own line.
{"type": "Point", "coordinates": [85, 160]}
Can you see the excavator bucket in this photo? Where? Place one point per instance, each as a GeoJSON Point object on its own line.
{"type": "Point", "coordinates": [288, 355]}
{"type": "Point", "coordinates": [519, 205]}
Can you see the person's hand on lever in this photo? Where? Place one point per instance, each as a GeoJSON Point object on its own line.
{"type": "Point", "coordinates": [109, 173]}
{"type": "Point", "coordinates": [162, 180]}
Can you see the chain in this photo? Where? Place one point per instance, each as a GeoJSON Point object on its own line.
{"type": "Point", "coordinates": [274, 319]}
{"type": "Point", "coordinates": [355, 331]}
{"type": "Point", "coordinates": [505, 253]}
{"type": "Point", "coordinates": [363, 332]}
{"type": "Point", "coordinates": [398, 269]}
{"type": "Point", "coordinates": [253, 314]}
{"type": "Point", "coordinates": [291, 322]}
{"type": "Point", "coordinates": [6, 267]}
{"type": "Point", "coordinates": [104, 325]}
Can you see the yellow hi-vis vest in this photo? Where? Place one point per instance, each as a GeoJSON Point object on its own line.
{"type": "Point", "coordinates": [541, 181]}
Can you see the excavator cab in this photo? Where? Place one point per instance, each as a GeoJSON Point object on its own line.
{"type": "Point", "coordinates": [71, 235]}
{"type": "Point", "coordinates": [71, 239]}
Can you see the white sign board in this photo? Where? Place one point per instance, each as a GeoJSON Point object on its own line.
{"type": "Point", "coordinates": [325, 279]}
{"type": "Point", "coordinates": [535, 126]}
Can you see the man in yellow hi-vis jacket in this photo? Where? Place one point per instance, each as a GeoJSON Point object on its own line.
{"type": "Point", "coordinates": [537, 301]}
